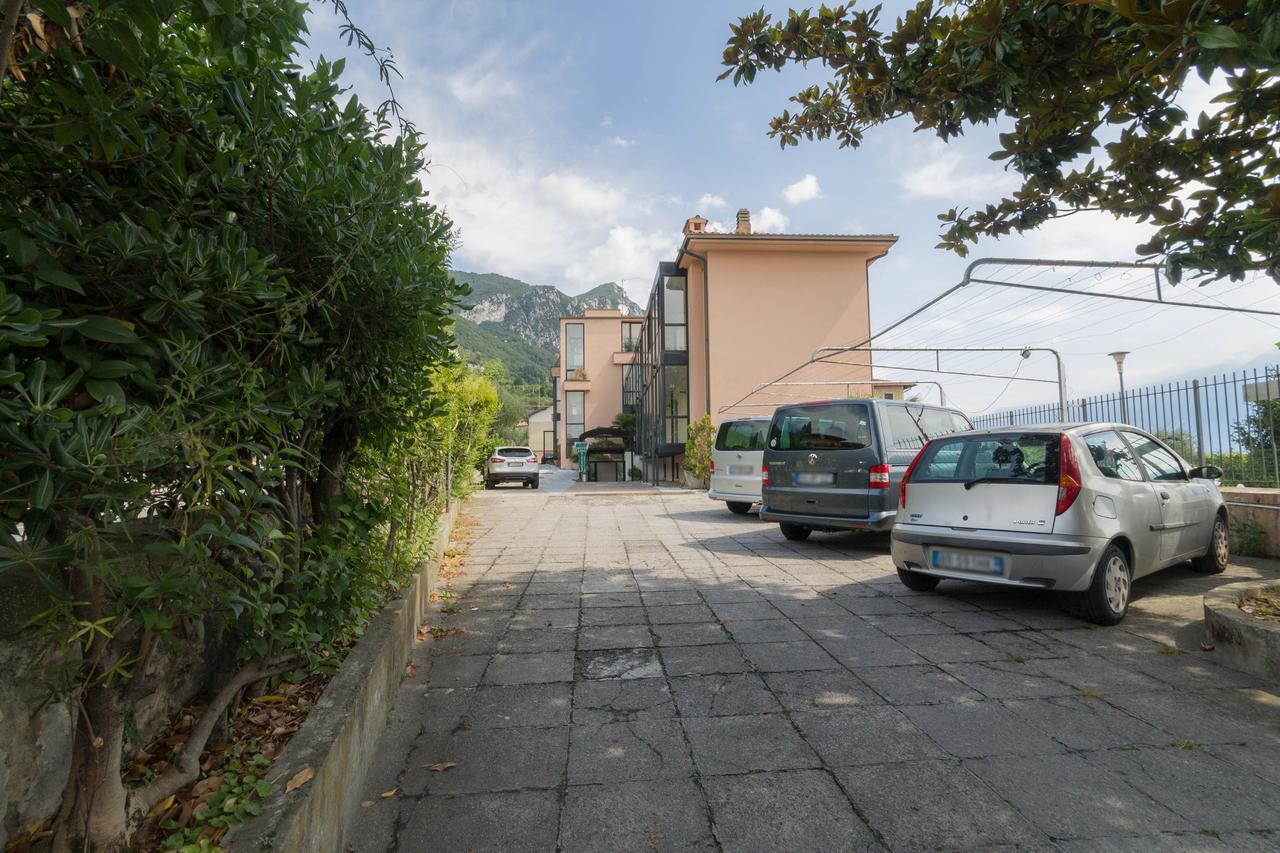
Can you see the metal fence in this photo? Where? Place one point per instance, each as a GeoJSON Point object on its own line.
{"type": "Point", "coordinates": [1231, 420]}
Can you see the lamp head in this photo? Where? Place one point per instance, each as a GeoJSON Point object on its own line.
{"type": "Point", "coordinates": [1119, 357]}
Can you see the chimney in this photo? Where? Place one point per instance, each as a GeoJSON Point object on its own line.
{"type": "Point", "coordinates": [695, 225]}
{"type": "Point", "coordinates": [744, 221]}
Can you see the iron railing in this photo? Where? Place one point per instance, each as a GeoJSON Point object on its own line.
{"type": "Point", "coordinates": [1230, 420]}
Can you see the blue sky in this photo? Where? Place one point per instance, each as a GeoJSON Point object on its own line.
{"type": "Point", "coordinates": [570, 141]}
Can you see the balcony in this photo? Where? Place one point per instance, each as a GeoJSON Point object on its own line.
{"type": "Point", "coordinates": [576, 380]}
{"type": "Point", "coordinates": [626, 357]}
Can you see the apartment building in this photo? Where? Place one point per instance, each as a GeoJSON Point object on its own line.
{"type": "Point", "coordinates": [732, 310]}
{"type": "Point", "coordinates": [735, 309]}
{"type": "Point", "coordinates": [596, 353]}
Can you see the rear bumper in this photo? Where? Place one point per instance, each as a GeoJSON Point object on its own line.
{"type": "Point", "coordinates": [498, 476]}
{"type": "Point", "coordinates": [736, 497]}
{"type": "Point", "coordinates": [1036, 561]}
{"type": "Point", "coordinates": [874, 521]}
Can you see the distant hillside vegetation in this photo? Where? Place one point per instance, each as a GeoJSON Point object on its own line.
{"type": "Point", "coordinates": [518, 323]}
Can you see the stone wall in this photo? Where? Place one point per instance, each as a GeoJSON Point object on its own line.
{"type": "Point", "coordinates": [35, 738]}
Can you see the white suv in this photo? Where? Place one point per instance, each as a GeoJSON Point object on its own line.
{"type": "Point", "coordinates": [512, 463]}
{"type": "Point", "coordinates": [735, 462]}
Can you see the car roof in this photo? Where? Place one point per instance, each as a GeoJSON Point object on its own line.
{"type": "Point", "coordinates": [1073, 427]}
{"type": "Point", "coordinates": [748, 418]}
{"type": "Point", "coordinates": [877, 401]}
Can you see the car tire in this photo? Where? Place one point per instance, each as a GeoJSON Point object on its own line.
{"type": "Point", "coordinates": [1107, 599]}
{"type": "Point", "coordinates": [533, 484]}
{"type": "Point", "coordinates": [738, 507]}
{"type": "Point", "coordinates": [795, 532]}
{"type": "Point", "coordinates": [917, 581]}
{"type": "Point", "coordinates": [1214, 560]}
{"type": "Point", "coordinates": [488, 484]}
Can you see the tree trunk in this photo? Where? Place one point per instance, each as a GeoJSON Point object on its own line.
{"type": "Point", "coordinates": [335, 452]}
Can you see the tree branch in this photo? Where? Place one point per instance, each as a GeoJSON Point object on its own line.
{"type": "Point", "coordinates": [186, 768]}
{"type": "Point", "coordinates": [7, 28]}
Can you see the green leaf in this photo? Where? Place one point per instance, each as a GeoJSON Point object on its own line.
{"type": "Point", "coordinates": [48, 272]}
{"type": "Point", "coordinates": [105, 390]}
{"type": "Point", "coordinates": [22, 248]}
{"type": "Point", "coordinates": [108, 330]}
{"type": "Point", "coordinates": [1220, 36]}
{"type": "Point", "coordinates": [42, 495]}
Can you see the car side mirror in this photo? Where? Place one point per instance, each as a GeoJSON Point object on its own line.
{"type": "Point", "coordinates": [1205, 472]}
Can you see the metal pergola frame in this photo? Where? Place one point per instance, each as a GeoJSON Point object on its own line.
{"type": "Point", "coordinates": [821, 354]}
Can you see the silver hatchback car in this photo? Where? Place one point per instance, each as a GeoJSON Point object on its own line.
{"type": "Point", "coordinates": [1084, 508]}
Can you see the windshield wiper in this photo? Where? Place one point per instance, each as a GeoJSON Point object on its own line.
{"type": "Point", "coordinates": [969, 484]}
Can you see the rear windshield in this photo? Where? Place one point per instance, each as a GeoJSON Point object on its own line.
{"type": "Point", "coordinates": [908, 427]}
{"type": "Point", "coordinates": [741, 435]}
{"type": "Point", "coordinates": [514, 452]}
{"type": "Point", "coordinates": [836, 426]}
{"type": "Point", "coordinates": [1029, 458]}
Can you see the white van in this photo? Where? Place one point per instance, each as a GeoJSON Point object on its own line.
{"type": "Point", "coordinates": [736, 460]}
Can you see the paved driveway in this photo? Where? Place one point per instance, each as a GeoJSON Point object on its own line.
{"type": "Point", "coordinates": [649, 672]}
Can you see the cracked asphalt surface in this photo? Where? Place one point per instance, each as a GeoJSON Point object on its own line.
{"type": "Point", "coordinates": [645, 671]}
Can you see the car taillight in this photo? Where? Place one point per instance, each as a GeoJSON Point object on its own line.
{"type": "Point", "coordinates": [879, 476]}
{"type": "Point", "coordinates": [1068, 476]}
{"type": "Point", "coordinates": [496, 459]}
{"type": "Point", "coordinates": [764, 475]}
{"type": "Point", "coordinates": [531, 459]}
{"type": "Point", "coordinates": [713, 467]}
{"type": "Point", "coordinates": [902, 487]}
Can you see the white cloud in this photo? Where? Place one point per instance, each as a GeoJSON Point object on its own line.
{"type": "Point", "coordinates": [627, 255]}
{"type": "Point", "coordinates": [805, 189]}
{"type": "Point", "coordinates": [607, 121]}
{"type": "Point", "coordinates": [769, 220]}
{"type": "Point", "coordinates": [946, 173]}
{"type": "Point", "coordinates": [483, 81]}
{"type": "Point", "coordinates": [712, 201]}
{"type": "Point", "coordinates": [717, 228]}
{"type": "Point", "coordinates": [621, 142]}
{"type": "Point", "coordinates": [579, 194]}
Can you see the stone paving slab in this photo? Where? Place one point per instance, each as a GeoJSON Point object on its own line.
{"type": "Point", "coordinates": [646, 671]}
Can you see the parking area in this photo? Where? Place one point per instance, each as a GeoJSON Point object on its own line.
{"type": "Point", "coordinates": [649, 672]}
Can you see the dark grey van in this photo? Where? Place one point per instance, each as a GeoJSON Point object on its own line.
{"type": "Point", "coordinates": [836, 465]}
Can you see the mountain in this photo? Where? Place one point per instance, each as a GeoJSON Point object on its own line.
{"type": "Point", "coordinates": [518, 323]}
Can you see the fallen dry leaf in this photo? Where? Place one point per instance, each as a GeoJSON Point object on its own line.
{"type": "Point", "coordinates": [96, 743]}
{"type": "Point", "coordinates": [390, 793]}
{"type": "Point", "coordinates": [366, 803]}
{"type": "Point", "coordinates": [299, 779]}
{"type": "Point", "coordinates": [1206, 647]}
{"type": "Point", "coordinates": [442, 766]}
{"type": "Point", "coordinates": [411, 671]}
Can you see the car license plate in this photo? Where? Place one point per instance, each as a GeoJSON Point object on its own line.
{"type": "Point", "coordinates": [815, 479]}
{"type": "Point", "coordinates": [968, 562]}
{"type": "Point", "coordinates": [740, 471]}
{"type": "Point", "coordinates": [515, 464]}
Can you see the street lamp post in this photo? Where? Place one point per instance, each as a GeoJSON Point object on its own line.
{"type": "Point", "coordinates": [1124, 403]}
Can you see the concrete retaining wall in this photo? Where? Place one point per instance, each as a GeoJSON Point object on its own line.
{"type": "Point", "coordinates": [1250, 643]}
{"type": "Point", "coordinates": [1260, 507]}
{"type": "Point", "coordinates": [339, 736]}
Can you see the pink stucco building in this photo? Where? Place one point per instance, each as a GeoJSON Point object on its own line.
{"type": "Point", "coordinates": [730, 311]}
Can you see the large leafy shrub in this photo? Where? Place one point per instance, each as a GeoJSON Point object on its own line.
{"type": "Point", "coordinates": [226, 399]}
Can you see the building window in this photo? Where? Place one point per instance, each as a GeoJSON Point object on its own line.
{"type": "Point", "coordinates": [675, 325]}
{"type": "Point", "coordinates": [628, 390]}
{"type": "Point", "coordinates": [675, 403]}
{"type": "Point", "coordinates": [574, 356]}
{"type": "Point", "coordinates": [574, 416]}
{"type": "Point", "coordinates": [631, 336]}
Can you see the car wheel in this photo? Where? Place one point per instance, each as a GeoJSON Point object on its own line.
{"type": "Point", "coordinates": [738, 507]}
{"type": "Point", "coordinates": [488, 484]}
{"type": "Point", "coordinates": [534, 484]}
{"type": "Point", "coordinates": [1107, 599]}
{"type": "Point", "coordinates": [795, 532]}
{"type": "Point", "coordinates": [917, 581]}
{"type": "Point", "coordinates": [1214, 560]}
